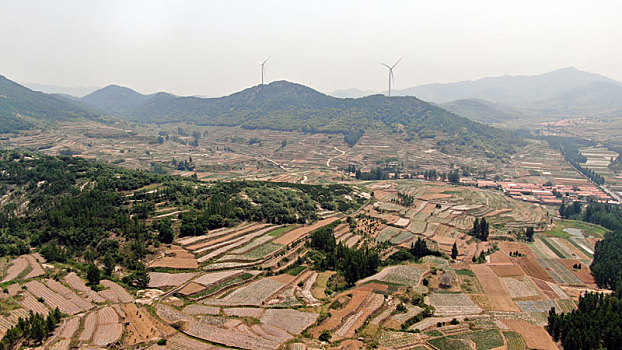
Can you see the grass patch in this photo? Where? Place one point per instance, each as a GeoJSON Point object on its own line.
{"type": "Point", "coordinates": [434, 333]}
{"type": "Point", "coordinates": [281, 230]}
{"type": "Point", "coordinates": [465, 272]}
{"type": "Point", "coordinates": [262, 251]}
{"type": "Point", "coordinates": [295, 270]}
{"type": "Point", "coordinates": [448, 343]}
{"type": "Point", "coordinates": [8, 305]}
{"type": "Point", "coordinates": [589, 230]}
{"type": "Point", "coordinates": [487, 339]}
{"type": "Point", "coordinates": [515, 341]}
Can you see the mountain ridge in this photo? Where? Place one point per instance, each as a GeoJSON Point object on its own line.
{"type": "Point", "coordinates": [287, 106]}
{"type": "Point", "coordinates": [22, 108]}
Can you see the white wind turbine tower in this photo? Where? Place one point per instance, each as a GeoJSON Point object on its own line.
{"type": "Point", "coordinates": [391, 73]}
{"type": "Point", "coordinates": [263, 69]}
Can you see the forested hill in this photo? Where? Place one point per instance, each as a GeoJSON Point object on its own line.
{"type": "Point", "coordinates": [75, 210]}
{"type": "Point", "coordinates": [22, 108]}
{"type": "Point", "coordinates": [288, 106]}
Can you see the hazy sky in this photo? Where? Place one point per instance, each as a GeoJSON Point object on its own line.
{"type": "Point", "coordinates": [212, 48]}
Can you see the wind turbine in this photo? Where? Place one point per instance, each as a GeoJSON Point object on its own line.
{"type": "Point", "coordinates": [263, 68]}
{"type": "Point", "coordinates": [391, 73]}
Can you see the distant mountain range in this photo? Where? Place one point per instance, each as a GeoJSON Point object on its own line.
{"type": "Point", "coordinates": [73, 91]}
{"type": "Point", "coordinates": [479, 110]}
{"type": "Point", "coordinates": [566, 92]}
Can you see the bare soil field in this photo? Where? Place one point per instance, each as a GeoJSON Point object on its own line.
{"type": "Point", "coordinates": [507, 270]}
{"type": "Point", "coordinates": [535, 337]}
{"type": "Point", "coordinates": [534, 269]}
{"type": "Point", "coordinates": [142, 327]}
{"type": "Point", "coordinates": [494, 288]}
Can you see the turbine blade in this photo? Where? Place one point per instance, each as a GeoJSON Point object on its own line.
{"type": "Point", "coordinates": [385, 65]}
{"type": "Point", "coordinates": [398, 61]}
{"type": "Point", "coordinates": [266, 60]}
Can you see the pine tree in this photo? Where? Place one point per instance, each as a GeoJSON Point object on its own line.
{"type": "Point", "coordinates": [109, 264]}
{"type": "Point", "coordinates": [454, 251]}
{"type": "Point", "coordinates": [92, 274]}
{"type": "Point", "coordinates": [529, 233]}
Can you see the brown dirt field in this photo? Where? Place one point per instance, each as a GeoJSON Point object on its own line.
{"type": "Point", "coordinates": [533, 269]}
{"type": "Point", "coordinates": [142, 327]}
{"type": "Point", "coordinates": [545, 288]}
{"type": "Point", "coordinates": [297, 233]}
{"type": "Point", "coordinates": [507, 270]}
{"type": "Point", "coordinates": [428, 209]}
{"type": "Point", "coordinates": [373, 286]}
{"type": "Point", "coordinates": [175, 263]}
{"type": "Point", "coordinates": [358, 296]}
{"type": "Point", "coordinates": [372, 303]}
{"type": "Point", "coordinates": [483, 301]}
{"type": "Point", "coordinates": [584, 274]}
{"type": "Point", "coordinates": [535, 336]}
{"type": "Point", "coordinates": [283, 278]}
{"type": "Point", "coordinates": [522, 248]}
{"type": "Point", "coordinates": [494, 288]}
{"type": "Point", "coordinates": [500, 257]}
{"type": "Point", "coordinates": [191, 288]}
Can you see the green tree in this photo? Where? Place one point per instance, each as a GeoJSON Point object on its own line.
{"type": "Point", "coordinates": [529, 233]}
{"type": "Point", "coordinates": [165, 232]}
{"type": "Point", "coordinates": [454, 251]}
{"type": "Point", "coordinates": [109, 264]}
{"type": "Point", "coordinates": [93, 274]}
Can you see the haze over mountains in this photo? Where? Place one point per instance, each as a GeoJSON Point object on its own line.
{"type": "Point", "coordinates": [563, 92]}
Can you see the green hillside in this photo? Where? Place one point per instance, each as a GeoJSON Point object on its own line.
{"type": "Point", "coordinates": [22, 108]}
{"type": "Point", "coordinates": [287, 106]}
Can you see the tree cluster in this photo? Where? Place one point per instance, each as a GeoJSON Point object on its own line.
{"type": "Point", "coordinates": [34, 328]}
{"type": "Point", "coordinates": [481, 229]}
{"type": "Point", "coordinates": [570, 211]}
{"type": "Point", "coordinates": [352, 263]}
{"type": "Point", "coordinates": [595, 324]}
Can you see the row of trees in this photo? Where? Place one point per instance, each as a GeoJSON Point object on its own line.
{"type": "Point", "coordinates": [569, 148]}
